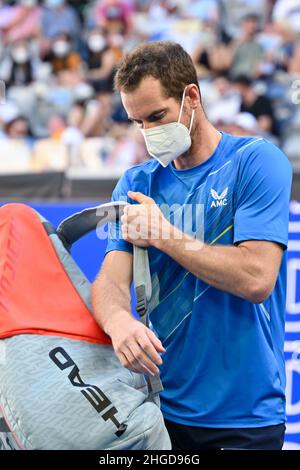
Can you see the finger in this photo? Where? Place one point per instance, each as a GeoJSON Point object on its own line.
{"type": "Point", "coordinates": [124, 219]}
{"type": "Point", "coordinates": [155, 341]}
{"type": "Point", "coordinates": [136, 230]}
{"type": "Point", "coordinates": [150, 350]}
{"type": "Point", "coordinates": [142, 358]}
{"type": "Point", "coordinates": [134, 365]}
{"type": "Point", "coordinates": [140, 197]}
{"type": "Point", "coordinates": [131, 209]}
{"type": "Point", "coordinates": [123, 358]}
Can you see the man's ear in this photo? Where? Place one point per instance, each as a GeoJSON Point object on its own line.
{"type": "Point", "coordinates": [194, 96]}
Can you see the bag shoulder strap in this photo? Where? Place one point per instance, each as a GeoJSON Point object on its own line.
{"type": "Point", "coordinates": [77, 225]}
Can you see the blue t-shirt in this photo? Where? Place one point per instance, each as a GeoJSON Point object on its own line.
{"type": "Point", "coordinates": [224, 360]}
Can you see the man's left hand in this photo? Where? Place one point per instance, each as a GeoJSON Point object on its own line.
{"type": "Point", "coordinates": [144, 224]}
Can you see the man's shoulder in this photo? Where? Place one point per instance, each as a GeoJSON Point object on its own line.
{"type": "Point", "coordinates": [259, 148]}
{"type": "Point", "coordinates": [251, 145]}
{"type": "Point", "coordinates": [238, 145]}
{"type": "Point", "coordinates": [142, 169]}
{"type": "Point", "coordinates": [260, 162]}
{"type": "Point", "coordinates": [252, 154]}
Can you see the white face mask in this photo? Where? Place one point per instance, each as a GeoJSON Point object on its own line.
{"type": "Point", "coordinates": [167, 142]}
{"type": "Point", "coordinates": [61, 48]}
{"type": "Point", "coordinates": [96, 43]}
{"type": "Point", "coordinates": [20, 55]}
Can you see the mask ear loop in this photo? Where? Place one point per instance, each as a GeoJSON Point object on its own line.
{"type": "Point", "coordinates": [181, 107]}
{"type": "Point", "coordinates": [192, 119]}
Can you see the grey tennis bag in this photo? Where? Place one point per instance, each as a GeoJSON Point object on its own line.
{"type": "Point", "coordinates": [61, 384]}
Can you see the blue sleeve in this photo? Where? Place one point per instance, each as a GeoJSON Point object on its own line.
{"type": "Point", "coordinates": [115, 240]}
{"type": "Point", "coordinates": [263, 195]}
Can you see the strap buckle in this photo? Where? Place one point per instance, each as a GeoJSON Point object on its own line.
{"type": "Point", "coordinates": [141, 302]}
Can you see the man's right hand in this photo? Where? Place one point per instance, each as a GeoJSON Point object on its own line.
{"type": "Point", "coordinates": [135, 345]}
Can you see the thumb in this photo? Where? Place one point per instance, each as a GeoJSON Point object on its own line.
{"type": "Point", "coordinates": [140, 197]}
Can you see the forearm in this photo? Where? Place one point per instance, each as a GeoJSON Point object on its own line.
{"type": "Point", "coordinates": [110, 302]}
{"type": "Point", "coordinates": [227, 268]}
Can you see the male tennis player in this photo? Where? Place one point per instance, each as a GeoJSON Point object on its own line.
{"type": "Point", "coordinates": [219, 306]}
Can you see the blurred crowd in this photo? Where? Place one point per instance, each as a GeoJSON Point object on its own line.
{"type": "Point", "coordinates": [58, 59]}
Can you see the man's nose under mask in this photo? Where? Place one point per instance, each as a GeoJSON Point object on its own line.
{"type": "Point", "coordinates": [167, 142]}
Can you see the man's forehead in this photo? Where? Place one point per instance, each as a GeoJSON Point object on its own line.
{"type": "Point", "coordinates": [148, 97]}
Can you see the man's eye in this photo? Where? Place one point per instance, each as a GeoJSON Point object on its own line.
{"type": "Point", "coordinates": [156, 118]}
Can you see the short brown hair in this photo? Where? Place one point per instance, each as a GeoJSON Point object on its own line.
{"type": "Point", "coordinates": [164, 60]}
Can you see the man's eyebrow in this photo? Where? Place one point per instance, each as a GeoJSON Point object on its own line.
{"type": "Point", "coordinates": [157, 111]}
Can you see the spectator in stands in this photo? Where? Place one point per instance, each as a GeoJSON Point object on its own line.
{"type": "Point", "coordinates": [93, 117]}
{"type": "Point", "coordinates": [247, 52]}
{"type": "Point", "coordinates": [161, 11]}
{"type": "Point", "coordinates": [242, 124]}
{"type": "Point", "coordinates": [16, 128]}
{"type": "Point", "coordinates": [101, 61]}
{"type": "Point", "coordinates": [294, 61]}
{"type": "Point", "coordinates": [16, 146]}
{"type": "Point", "coordinates": [274, 40]}
{"type": "Point", "coordinates": [57, 18]}
{"type": "Point", "coordinates": [129, 149]}
{"type": "Point", "coordinates": [105, 52]}
{"type": "Point", "coordinates": [86, 114]}
{"type": "Point", "coordinates": [212, 58]}
{"type": "Point", "coordinates": [25, 22]}
{"type": "Point", "coordinates": [242, 55]}
{"type": "Point", "coordinates": [232, 12]}
{"type": "Point", "coordinates": [54, 63]}
{"type": "Point", "coordinates": [206, 10]}
{"type": "Point", "coordinates": [287, 11]}
{"type": "Point", "coordinates": [259, 106]}
{"type": "Point", "coordinates": [114, 15]}
{"type": "Point", "coordinates": [8, 112]}
{"type": "Point", "coordinates": [64, 60]}
{"type": "Point", "coordinates": [51, 153]}
{"type": "Point", "coordinates": [19, 66]}
{"type": "Point", "coordinates": [220, 100]}
{"type": "Point", "coordinates": [286, 49]}
{"type": "Point", "coordinates": [7, 13]}
{"type": "Point", "coordinates": [19, 21]}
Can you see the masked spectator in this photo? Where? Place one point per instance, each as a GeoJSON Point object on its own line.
{"type": "Point", "coordinates": [57, 18]}
{"type": "Point", "coordinates": [102, 60]}
{"type": "Point", "coordinates": [259, 106]}
{"type": "Point", "coordinates": [19, 67]}
{"type": "Point", "coordinates": [62, 56]}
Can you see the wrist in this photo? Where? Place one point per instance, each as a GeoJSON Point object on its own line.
{"type": "Point", "coordinates": [169, 234]}
{"type": "Point", "coordinates": [114, 323]}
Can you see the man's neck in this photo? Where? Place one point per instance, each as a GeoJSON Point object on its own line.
{"type": "Point", "coordinates": [204, 142]}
